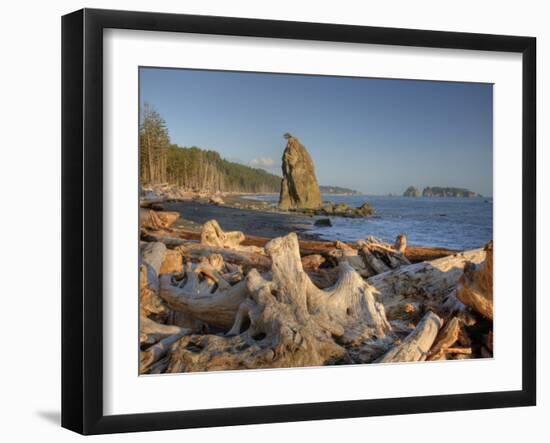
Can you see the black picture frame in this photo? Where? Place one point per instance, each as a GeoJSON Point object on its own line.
{"type": "Point", "coordinates": [82, 218]}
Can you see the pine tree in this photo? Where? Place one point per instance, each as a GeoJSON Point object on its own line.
{"type": "Point", "coordinates": [153, 146]}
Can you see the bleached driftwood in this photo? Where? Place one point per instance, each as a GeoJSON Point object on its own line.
{"type": "Point", "coordinates": [384, 255]}
{"type": "Point", "coordinates": [401, 243]}
{"type": "Point", "coordinates": [246, 256]}
{"type": "Point", "coordinates": [312, 262]}
{"type": "Point", "coordinates": [278, 315]}
{"type": "Point", "coordinates": [203, 279]}
{"type": "Point", "coordinates": [154, 353]}
{"type": "Point", "coordinates": [152, 256]}
{"type": "Point", "coordinates": [150, 203]}
{"type": "Point", "coordinates": [241, 257]}
{"type": "Point", "coordinates": [156, 220]}
{"type": "Point", "coordinates": [286, 321]}
{"type": "Point", "coordinates": [151, 332]}
{"type": "Point", "coordinates": [163, 237]}
{"type": "Point", "coordinates": [416, 345]}
{"type": "Point", "coordinates": [446, 338]}
{"type": "Point", "coordinates": [213, 235]}
{"type": "Point", "coordinates": [410, 290]}
{"type": "Point", "coordinates": [405, 292]}
{"type": "Point", "coordinates": [172, 263]}
{"type": "Point", "coordinates": [201, 298]}
{"type": "Point", "coordinates": [414, 254]}
{"type": "Point", "coordinates": [322, 277]}
{"type": "Point", "coordinates": [377, 265]}
{"type": "Point", "coordinates": [370, 257]}
{"type": "Point", "coordinates": [216, 200]}
{"type": "Point", "coordinates": [475, 288]}
{"type": "Point", "coordinates": [345, 253]}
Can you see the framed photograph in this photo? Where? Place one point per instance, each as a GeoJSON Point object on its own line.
{"type": "Point", "coordinates": [268, 221]}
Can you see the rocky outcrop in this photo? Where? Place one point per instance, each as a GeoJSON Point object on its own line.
{"type": "Point", "coordinates": [299, 187]}
{"type": "Point", "coordinates": [340, 210]}
{"type": "Point", "coordinates": [411, 191]}
{"type": "Point", "coordinates": [344, 210]}
{"type": "Point", "coordinates": [323, 222]}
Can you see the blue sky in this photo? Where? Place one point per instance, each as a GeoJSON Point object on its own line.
{"type": "Point", "coordinates": [374, 135]}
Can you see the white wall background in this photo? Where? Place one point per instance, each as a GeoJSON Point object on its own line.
{"type": "Point", "coordinates": [30, 96]}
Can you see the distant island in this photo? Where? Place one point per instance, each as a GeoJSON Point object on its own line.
{"type": "Point", "coordinates": [338, 190]}
{"type": "Point", "coordinates": [411, 191]}
{"type": "Point", "coordinates": [439, 191]}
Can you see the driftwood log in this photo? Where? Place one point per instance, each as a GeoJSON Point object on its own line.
{"type": "Point", "coordinates": [214, 302]}
{"type": "Point", "coordinates": [213, 235]}
{"type": "Point", "coordinates": [401, 243]}
{"type": "Point", "coordinates": [152, 258]}
{"type": "Point", "coordinates": [416, 346]}
{"type": "Point", "coordinates": [345, 253]}
{"type": "Point", "coordinates": [410, 290]}
{"type": "Point", "coordinates": [475, 287]}
{"type": "Point", "coordinates": [172, 263]}
{"type": "Point", "coordinates": [369, 257]}
{"type": "Point", "coordinates": [155, 220]}
{"type": "Point", "coordinates": [447, 337]}
{"type": "Point", "coordinates": [355, 320]}
{"type": "Point", "coordinates": [286, 321]}
{"type": "Point", "coordinates": [246, 259]}
{"type": "Point", "coordinates": [179, 236]}
{"type": "Point", "coordinates": [218, 303]}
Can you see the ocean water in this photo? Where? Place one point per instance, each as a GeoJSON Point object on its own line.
{"type": "Point", "coordinates": [456, 223]}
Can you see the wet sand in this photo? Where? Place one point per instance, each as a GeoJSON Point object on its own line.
{"type": "Point", "coordinates": [252, 218]}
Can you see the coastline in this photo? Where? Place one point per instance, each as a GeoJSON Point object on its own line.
{"type": "Point", "coordinates": [260, 223]}
{"type": "Point", "coordinates": [257, 214]}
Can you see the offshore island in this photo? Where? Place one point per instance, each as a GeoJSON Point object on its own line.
{"type": "Point", "coordinates": [438, 191]}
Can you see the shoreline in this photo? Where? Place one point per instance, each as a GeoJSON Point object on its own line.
{"type": "Point", "coordinates": [257, 217]}
{"type": "Point", "coordinates": [260, 226]}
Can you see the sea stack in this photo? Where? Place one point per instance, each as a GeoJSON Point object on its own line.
{"type": "Point", "coordinates": [299, 187]}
